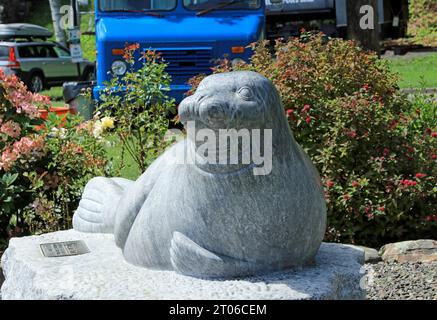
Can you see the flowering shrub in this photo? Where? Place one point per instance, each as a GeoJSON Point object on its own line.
{"type": "Point", "coordinates": [374, 148]}
{"type": "Point", "coordinates": [138, 104]}
{"type": "Point", "coordinates": [43, 166]}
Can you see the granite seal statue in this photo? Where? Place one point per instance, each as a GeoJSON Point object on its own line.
{"type": "Point", "coordinates": [213, 219]}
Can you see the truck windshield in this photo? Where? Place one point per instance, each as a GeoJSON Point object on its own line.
{"type": "Point", "coordinates": [224, 4]}
{"type": "Point", "coordinates": [137, 5]}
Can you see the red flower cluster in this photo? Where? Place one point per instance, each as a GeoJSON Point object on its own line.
{"type": "Point", "coordinates": [408, 183]}
{"type": "Point", "coordinates": [431, 218]}
{"type": "Point", "coordinates": [329, 184]}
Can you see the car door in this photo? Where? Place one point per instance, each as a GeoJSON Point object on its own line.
{"type": "Point", "coordinates": [67, 69]}
{"type": "Point", "coordinates": [31, 58]}
{"type": "Point", "coordinates": [46, 59]}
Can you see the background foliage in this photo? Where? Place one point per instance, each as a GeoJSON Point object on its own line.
{"type": "Point", "coordinates": [375, 149]}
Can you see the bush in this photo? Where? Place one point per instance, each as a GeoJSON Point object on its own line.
{"type": "Point", "coordinates": [374, 148]}
{"type": "Point", "coordinates": [138, 104]}
{"type": "Point", "coordinates": [43, 166]}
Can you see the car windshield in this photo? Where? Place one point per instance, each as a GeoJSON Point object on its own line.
{"type": "Point", "coordinates": [223, 4]}
{"type": "Point", "coordinates": [137, 5]}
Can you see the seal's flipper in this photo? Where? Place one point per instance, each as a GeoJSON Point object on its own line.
{"type": "Point", "coordinates": [188, 258]}
{"type": "Point", "coordinates": [95, 213]}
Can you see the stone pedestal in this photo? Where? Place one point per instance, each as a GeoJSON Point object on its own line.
{"type": "Point", "coordinates": [103, 274]}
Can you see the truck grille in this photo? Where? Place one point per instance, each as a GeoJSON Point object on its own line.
{"type": "Point", "coordinates": [185, 63]}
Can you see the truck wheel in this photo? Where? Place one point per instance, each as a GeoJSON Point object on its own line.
{"type": "Point", "coordinates": [36, 83]}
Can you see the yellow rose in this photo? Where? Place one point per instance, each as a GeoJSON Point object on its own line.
{"type": "Point", "coordinates": [107, 123]}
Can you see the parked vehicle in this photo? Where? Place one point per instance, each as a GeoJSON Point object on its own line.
{"type": "Point", "coordinates": [40, 64]}
{"type": "Point", "coordinates": [192, 34]}
{"type": "Point", "coordinates": [286, 17]}
{"type": "Point", "coordinates": [189, 34]}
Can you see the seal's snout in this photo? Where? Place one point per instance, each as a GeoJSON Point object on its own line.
{"type": "Point", "coordinates": [186, 109]}
{"type": "Point", "coordinates": [214, 112]}
{"type": "Point", "coordinates": [209, 110]}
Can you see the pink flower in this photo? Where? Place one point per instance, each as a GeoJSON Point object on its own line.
{"type": "Point", "coordinates": [382, 209]}
{"type": "Point", "coordinates": [290, 114]}
{"type": "Point", "coordinates": [352, 134]}
{"type": "Point", "coordinates": [308, 120]}
{"type": "Point", "coordinates": [329, 184]}
{"type": "Point", "coordinates": [346, 197]}
{"type": "Point", "coordinates": [306, 108]}
{"type": "Point", "coordinates": [355, 184]}
{"type": "Point", "coordinates": [434, 134]}
{"type": "Point", "coordinates": [8, 159]}
{"type": "Point", "coordinates": [11, 129]}
{"type": "Point", "coordinates": [420, 175]}
{"type": "Point", "coordinates": [26, 146]}
{"type": "Point", "coordinates": [38, 98]}
{"type": "Point", "coordinates": [386, 151]}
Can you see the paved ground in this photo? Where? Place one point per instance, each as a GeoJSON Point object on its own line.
{"type": "Point", "coordinates": [389, 54]}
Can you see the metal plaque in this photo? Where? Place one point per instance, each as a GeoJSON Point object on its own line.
{"type": "Point", "coordinates": [64, 249]}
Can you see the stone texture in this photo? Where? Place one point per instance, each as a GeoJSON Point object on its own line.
{"type": "Point", "coordinates": [410, 251]}
{"type": "Point", "coordinates": [216, 220]}
{"type": "Point", "coordinates": [370, 255]}
{"type": "Point", "coordinates": [401, 281]}
{"type": "Point", "coordinates": [103, 274]}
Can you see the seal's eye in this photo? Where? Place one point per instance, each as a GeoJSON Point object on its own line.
{"type": "Point", "coordinates": [245, 93]}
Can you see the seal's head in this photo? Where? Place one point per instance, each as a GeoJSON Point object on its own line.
{"type": "Point", "coordinates": [233, 100]}
{"type": "Point", "coordinates": [238, 103]}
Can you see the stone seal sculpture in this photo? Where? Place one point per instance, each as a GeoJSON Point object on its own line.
{"type": "Point", "coordinates": [216, 220]}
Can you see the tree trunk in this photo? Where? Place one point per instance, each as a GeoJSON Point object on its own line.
{"type": "Point", "coordinates": [55, 6]}
{"type": "Point", "coordinates": [359, 27]}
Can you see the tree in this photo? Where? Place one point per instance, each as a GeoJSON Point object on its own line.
{"type": "Point", "coordinates": [363, 23]}
{"type": "Point", "coordinates": [55, 7]}
{"type": "Point", "coordinates": [14, 11]}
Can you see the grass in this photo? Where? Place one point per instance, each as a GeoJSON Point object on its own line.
{"type": "Point", "coordinates": [416, 72]}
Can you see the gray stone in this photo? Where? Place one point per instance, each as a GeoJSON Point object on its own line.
{"type": "Point", "coordinates": [410, 251]}
{"type": "Point", "coordinates": [103, 274]}
{"type": "Point", "coordinates": [370, 255]}
{"type": "Point", "coordinates": [215, 220]}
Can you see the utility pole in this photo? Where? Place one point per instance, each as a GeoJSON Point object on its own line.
{"type": "Point", "coordinates": [363, 23]}
{"type": "Point", "coordinates": [55, 7]}
{"type": "Point", "coordinates": [74, 37]}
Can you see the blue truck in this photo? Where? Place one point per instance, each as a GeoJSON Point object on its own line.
{"type": "Point", "coordinates": [190, 34]}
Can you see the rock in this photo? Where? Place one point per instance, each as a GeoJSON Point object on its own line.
{"type": "Point", "coordinates": [370, 255]}
{"type": "Point", "coordinates": [103, 274]}
{"type": "Point", "coordinates": [224, 214]}
{"type": "Point", "coordinates": [410, 251]}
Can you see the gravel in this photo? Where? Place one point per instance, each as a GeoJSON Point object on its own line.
{"type": "Point", "coordinates": [402, 281]}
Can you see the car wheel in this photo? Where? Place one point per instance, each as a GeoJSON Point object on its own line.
{"type": "Point", "coordinates": [88, 75]}
{"type": "Point", "coordinates": [36, 83]}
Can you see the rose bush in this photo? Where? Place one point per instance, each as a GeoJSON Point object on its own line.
{"type": "Point", "coordinates": [138, 104]}
{"type": "Point", "coordinates": [375, 149]}
{"type": "Point", "coordinates": [43, 165]}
